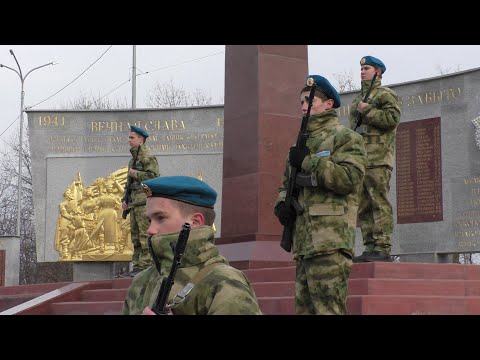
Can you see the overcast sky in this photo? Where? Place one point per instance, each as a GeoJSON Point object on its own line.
{"type": "Point", "coordinates": [107, 70]}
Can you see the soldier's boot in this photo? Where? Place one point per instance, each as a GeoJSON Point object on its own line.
{"type": "Point", "coordinates": [372, 257]}
{"type": "Point", "coordinates": [369, 248]}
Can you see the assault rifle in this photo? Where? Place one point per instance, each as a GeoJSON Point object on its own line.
{"type": "Point", "coordinates": [128, 194]}
{"type": "Point", "coordinates": [161, 307]}
{"type": "Point", "coordinates": [293, 190]}
{"type": "Point", "coordinates": [359, 121]}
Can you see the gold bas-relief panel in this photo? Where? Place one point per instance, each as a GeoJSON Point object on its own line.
{"type": "Point", "coordinates": [90, 225]}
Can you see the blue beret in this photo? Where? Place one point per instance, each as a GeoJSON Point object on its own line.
{"type": "Point", "coordinates": [182, 188]}
{"type": "Point", "coordinates": [373, 61]}
{"type": "Point", "coordinates": [324, 86]}
{"type": "Point", "coordinates": [139, 131]}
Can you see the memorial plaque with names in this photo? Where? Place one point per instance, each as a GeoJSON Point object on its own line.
{"type": "Point", "coordinates": [419, 171]}
{"type": "Point", "coordinates": [466, 212]}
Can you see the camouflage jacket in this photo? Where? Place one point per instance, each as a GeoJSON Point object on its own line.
{"type": "Point", "coordinates": [222, 291]}
{"type": "Point", "coordinates": [380, 120]}
{"type": "Point", "coordinates": [147, 168]}
{"type": "Point", "coordinates": [338, 159]}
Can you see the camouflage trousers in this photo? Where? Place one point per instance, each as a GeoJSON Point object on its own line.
{"type": "Point", "coordinates": [375, 211]}
{"type": "Point", "coordinates": [138, 229]}
{"type": "Point", "coordinates": [321, 284]}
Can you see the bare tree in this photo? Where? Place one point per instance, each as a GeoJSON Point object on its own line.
{"type": "Point", "coordinates": [200, 97]}
{"type": "Point", "coordinates": [84, 102]}
{"type": "Point", "coordinates": [345, 81]}
{"type": "Point", "coordinates": [31, 272]}
{"type": "Point", "coordinates": [168, 95]}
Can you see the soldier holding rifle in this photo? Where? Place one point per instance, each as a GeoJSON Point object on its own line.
{"type": "Point", "coordinates": [375, 114]}
{"type": "Point", "coordinates": [203, 282]}
{"type": "Point", "coordinates": [142, 166]}
{"type": "Point", "coordinates": [329, 172]}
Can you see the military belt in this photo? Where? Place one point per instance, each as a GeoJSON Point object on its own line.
{"type": "Point", "coordinates": [306, 180]}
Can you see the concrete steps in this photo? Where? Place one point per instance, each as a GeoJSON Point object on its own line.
{"type": "Point", "coordinates": [102, 297]}
{"type": "Point", "coordinates": [385, 289]}
{"type": "Point", "coordinates": [374, 289]}
{"type": "Point", "coordinates": [11, 296]}
{"type": "Point", "coordinates": [109, 307]}
{"type": "Point", "coordinates": [414, 289]}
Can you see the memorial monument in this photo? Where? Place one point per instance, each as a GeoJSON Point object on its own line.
{"type": "Point", "coordinates": [435, 183]}
{"type": "Point", "coordinates": [435, 193]}
{"type": "Point", "coordinates": [79, 163]}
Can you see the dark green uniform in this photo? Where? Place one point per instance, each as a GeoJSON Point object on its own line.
{"type": "Point", "coordinates": [147, 168]}
{"type": "Point", "coordinates": [223, 290]}
{"type": "Point", "coordinates": [324, 234]}
{"type": "Point", "coordinates": [379, 125]}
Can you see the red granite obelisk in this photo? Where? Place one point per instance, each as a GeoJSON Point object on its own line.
{"type": "Point", "coordinates": [262, 120]}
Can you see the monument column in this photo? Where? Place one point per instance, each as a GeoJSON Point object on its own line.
{"type": "Point", "coordinates": [262, 119]}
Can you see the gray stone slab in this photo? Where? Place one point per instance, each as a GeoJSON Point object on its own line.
{"type": "Point", "coordinates": [186, 141]}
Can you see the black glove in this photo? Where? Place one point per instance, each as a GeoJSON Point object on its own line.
{"type": "Point", "coordinates": [286, 215]}
{"type": "Point", "coordinates": [296, 156]}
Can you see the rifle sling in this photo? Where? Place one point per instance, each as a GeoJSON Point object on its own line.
{"type": "Point", "coordinates": [182, 294]}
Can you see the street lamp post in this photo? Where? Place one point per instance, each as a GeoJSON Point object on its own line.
{"type": "Point", "coordinates": [134, 78]}
{"type": "Point", "coordinates": [22, 95]}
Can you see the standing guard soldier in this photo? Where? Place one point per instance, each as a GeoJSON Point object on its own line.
{"type": "Point", "coordinates": [331, 169]}
{"type": "Point", "coordinates": [376, 118]}
{"type": "Point", "coordinates": [142, 166]}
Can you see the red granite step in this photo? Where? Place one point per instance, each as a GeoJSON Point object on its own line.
{"type": "Point", "coordinates": [87, 308]}
{"type": "Point", "coordinates": [104, 295]}
{"type": "Point", "coordinates": [413, 287]}
{"type": "Point", "coordinates": [374, 288]}
{"type": "Point", "coordinates": [31, 288]}
{"type": "Point", "coordinates": [271, 274]}
{"type": "Point", "coordinates": [398, 270]}
{"type": "Point", "coordinates": [283, 305]}
{"type": "Point", "coordinates": [121, 283]}
{"type": "Point", "coordinates": [413, 305]}
{"type": "Point", "coordinates": [9, 301]}
{"type": "Point", "coordinates": [274, 289]}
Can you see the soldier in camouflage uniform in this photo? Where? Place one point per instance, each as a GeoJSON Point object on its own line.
{"type": "Point", "coordinates": [219, 288]}
{"type": "Point", "coordinates": [146, 167]}
{"type": "Point", "coordinates": [324, 234]}
{"type": "Point", "coordinates": [380, 118]}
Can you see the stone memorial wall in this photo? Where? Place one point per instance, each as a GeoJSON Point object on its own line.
{"type": "Point", "coordinates": [435, 177]}
{"type": "Point", "coordinates": [66, 145]}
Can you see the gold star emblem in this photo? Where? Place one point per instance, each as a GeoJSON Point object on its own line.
{"type": "Point", "coordinates": [363, 61]}
{"type": "Point", "coordinates": [310, 81]}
